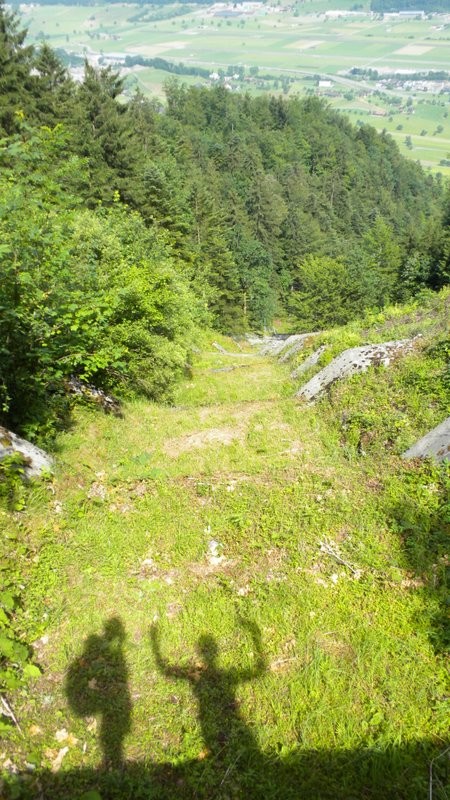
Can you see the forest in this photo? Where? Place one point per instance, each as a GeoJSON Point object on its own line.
{"type": "Point", "coordinates": [126, 227]}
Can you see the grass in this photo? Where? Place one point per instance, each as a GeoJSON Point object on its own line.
{"type": "Point", "coordinates": [186, 606]}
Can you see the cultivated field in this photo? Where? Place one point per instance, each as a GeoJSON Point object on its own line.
{"type": "Point", "coordinates": [281, 50]}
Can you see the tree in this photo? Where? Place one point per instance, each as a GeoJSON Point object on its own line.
{"type": "Point", "coordinates": [53, 87]}
{"type": "Point", "coordinates": [16, 62]}
{"type": "Point", "coordinates": [384, 260]}
{"type": "Point", "coordinates": [103, 134]}
{"type": "Point", "coordinates": [321, 293]}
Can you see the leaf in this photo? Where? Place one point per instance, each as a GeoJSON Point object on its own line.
{"type": "Point", "coordinates": [6, 647]}
{"type": "Point", "coordinates": [5, 727]}
{"type": "Point", "coordinates": [31, 671]}
{"type": "Point", "coordinates": [155, 473]}
{"type": "Point", "coordinates": [7, 600]}
{"type": "Point", "coordinates": [142, 458]}
{"type": "Point", "coordinates": [3, 618]}
{"type": "Point", "coordinates": [92, 794]}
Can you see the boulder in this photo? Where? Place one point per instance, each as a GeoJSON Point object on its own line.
{"type": "Point", "coordinates": [311, 361]}
{"type": "Point", "coordinates": [300, 341]}
{"type": "Point", "coordinates": [435, 444]}
{"type": "Point", "coordinates": [274, 344]}
{"type": "Point", "coordinates": [219, 347]}
{"type": "Point", "coordinates": [350, 362]}
{"type": "Point", "coordinates": [36, 461]}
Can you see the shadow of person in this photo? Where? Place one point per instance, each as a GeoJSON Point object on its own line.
{"type": "Point", "coordinates": [229, 743]}
{"type": "Point", "coordinates": [234, 768]}
{"type": "Point", "coordinates": [96, 685]}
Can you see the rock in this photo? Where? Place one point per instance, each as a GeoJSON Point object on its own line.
{"type": "Point", "coordinates": [91, 394]}
{"type": "Point", "coordinates": [350, 362]}
{"type": "Point", "coordinates": [219, 347]}
{"type": "Point", "coordinates": [36, 461]}
{"type": "Point", "coordinates": [274, 344]}
{"type": "Point", "coordinates": [254, 340]}
{"type": "Point", "coordinates": [311, 361]}
{"type": "Point", "coordinates": [291, 340]}
{"type": "Point", "coordinates": [299, 344]}
{"type": "Point", "coordinates": [435, 444]}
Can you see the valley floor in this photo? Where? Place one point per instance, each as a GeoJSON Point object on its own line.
{"type": "Point", "coordinates": [232, 608]}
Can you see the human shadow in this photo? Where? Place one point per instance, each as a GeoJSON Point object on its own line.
{"type": "Point", "coordinates": [97, 685]}
{"type": "Point", "coordinates": [226, 736]}
{"type": "Point", "coordinates": [232, 767]}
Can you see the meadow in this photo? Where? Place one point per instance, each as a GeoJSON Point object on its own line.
{"type": "Point", "coordinates": [240, 595]}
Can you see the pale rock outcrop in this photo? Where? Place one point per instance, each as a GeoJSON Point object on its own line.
{"type": "Point", "coordinates": [36, 461]}
{"type": "Point", "coordinates": [350, 362]}
{"type": "Point", "coordinates": [435, 444]}
{"type": "Point", "coordinates": [299, 344]}
{"type": "Point", "coordinates": [274, 345]}
{"type": "Point", "coordinates": [311, 361]}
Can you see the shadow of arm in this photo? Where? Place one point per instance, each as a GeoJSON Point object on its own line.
{"type": "Point", "coordinates": [260, 665]}
{"type": "Point", "coordinates": [169, 670]}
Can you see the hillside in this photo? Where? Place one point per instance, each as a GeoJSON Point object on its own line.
{"type": "Point", "coordinates": [241, 594]}
{"type": "Point", "coordinates": [229, 587]}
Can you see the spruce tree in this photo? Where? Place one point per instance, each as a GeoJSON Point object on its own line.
{"type": "Point", "coordinates": [16, 82]}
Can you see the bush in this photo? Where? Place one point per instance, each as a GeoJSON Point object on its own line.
{"type": "Point", "coordinates": [93, 294]}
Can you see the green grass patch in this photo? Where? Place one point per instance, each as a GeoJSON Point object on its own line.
{"type": "Point", "coordinates": [231, 599]}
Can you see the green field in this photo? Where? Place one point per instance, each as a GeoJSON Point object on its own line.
{"type": "Point", "coordinates": [307, 47]}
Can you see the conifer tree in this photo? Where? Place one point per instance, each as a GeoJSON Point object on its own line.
{"type": "Point", "coordinates": [52, 87]}
{"type": "Point", "coordinates": [103, 135]}
{"type": "Point", "coordinates": [16, 62]}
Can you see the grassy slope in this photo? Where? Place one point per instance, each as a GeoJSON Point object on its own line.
{"type": "Point", "coordinates": [349, 699]}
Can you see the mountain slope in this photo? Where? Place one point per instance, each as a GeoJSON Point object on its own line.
{"type": "Point", "coordinates": [241, 594]}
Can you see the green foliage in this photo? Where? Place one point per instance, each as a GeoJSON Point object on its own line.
{"type": "Point", "coordinates": [322, 293]}
{"type": "Point", "coordinates": [15, 71]}
{"type": "Point", "coordinates": [149, 313]}
{"type": "Point", "coordinates": [35, 219]}
{"type": "Point", "coordinates": [16, 661]}
{"type": "Point", "coordinates": [12, 492]}
{"type": "Point", "coordinates": [420, 507]}
{"type": "Point", "coordinates": [94, 294]}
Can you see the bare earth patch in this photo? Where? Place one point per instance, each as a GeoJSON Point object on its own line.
{"type": "Point", "coordinates": [305, 44]}
{"type": "Point", "coordinates": [174, 447]}
{"type": "Point", "coordinates": [413, 50]}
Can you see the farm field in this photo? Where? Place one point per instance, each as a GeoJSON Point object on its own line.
{"type": "Point", "coordinates": [282, 51]}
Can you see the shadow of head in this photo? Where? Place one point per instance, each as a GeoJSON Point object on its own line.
{"type": "Point", "coordinates": [114, 630]}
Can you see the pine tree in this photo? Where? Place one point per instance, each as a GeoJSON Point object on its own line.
{"type": "Point", "coordinates": [53, 87]}
{"type": "Point", "coordinates": [16, 62]}
{"type": "Point", "coordinates": [103, 134]}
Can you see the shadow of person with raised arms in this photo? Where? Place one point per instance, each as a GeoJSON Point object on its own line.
{"type": "Point", "coordinates": [97, 684]}
{"type": "Point", "coordinates": [229, 742]}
